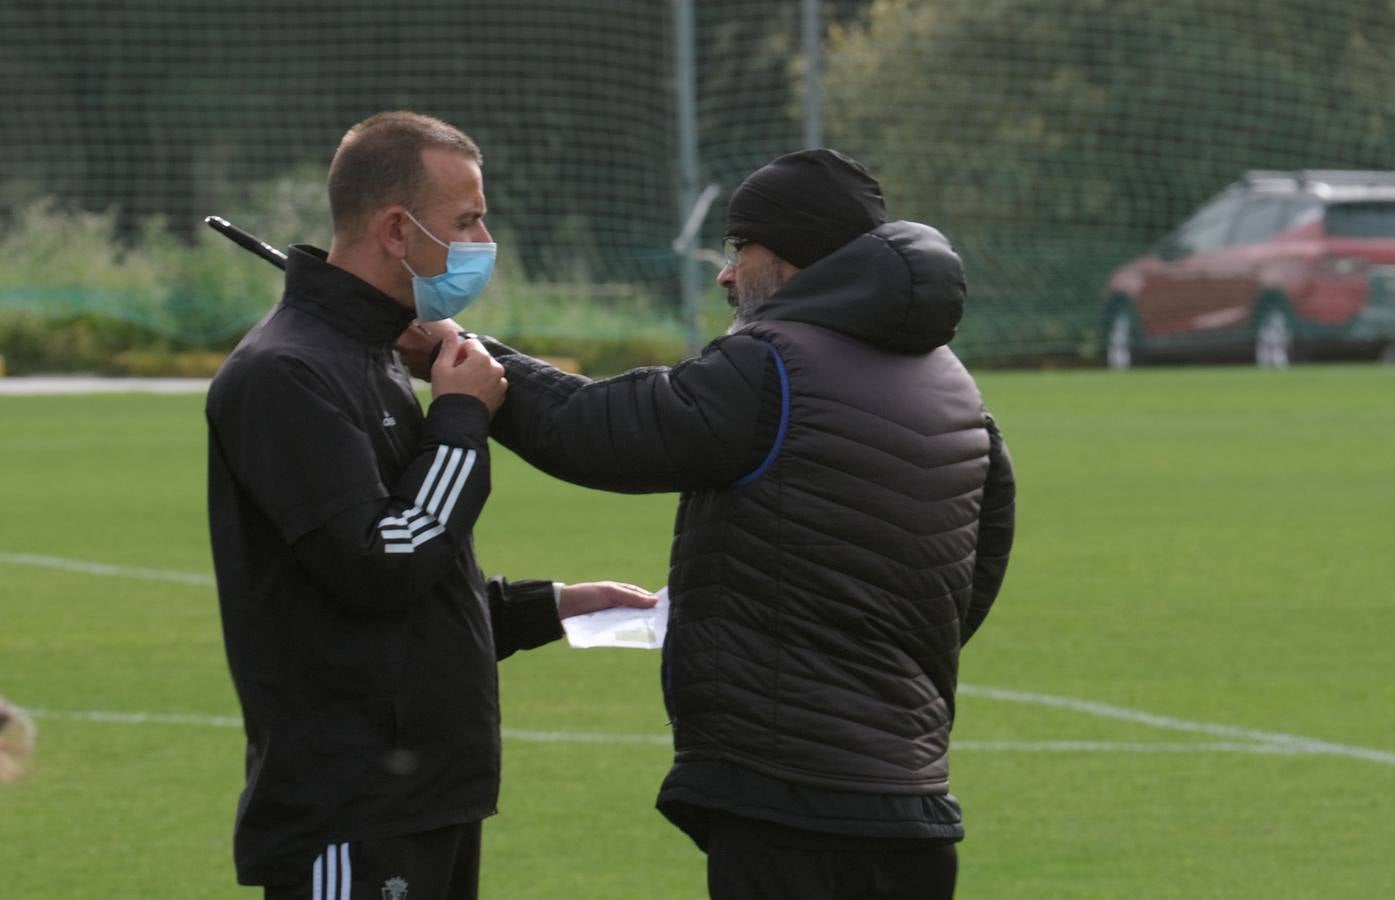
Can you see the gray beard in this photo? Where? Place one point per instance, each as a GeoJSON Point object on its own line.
{"type": "Point", "coordinates": [745, 304]}
{"type": "Point", "coordinates": [743, 310]}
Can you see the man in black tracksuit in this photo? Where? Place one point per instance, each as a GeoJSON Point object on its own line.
{"type": "Point", "coordinates": [361, 634]}
{"type": "Point", "coordinates": [846, 517]}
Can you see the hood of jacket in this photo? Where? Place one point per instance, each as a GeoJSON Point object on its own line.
{"type": "Point", "coordinates": [899, 286]}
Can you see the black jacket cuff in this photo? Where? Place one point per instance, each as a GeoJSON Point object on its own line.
{"type": "Point", "coordinates": [458, 420]}
{"type": "Point", "coordinates": [525, 614]}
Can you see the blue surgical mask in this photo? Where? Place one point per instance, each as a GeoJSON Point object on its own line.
{"type": "Point", "coordinates": [468, 267]}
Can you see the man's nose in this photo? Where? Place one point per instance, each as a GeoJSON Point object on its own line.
{"type": "Point", "coordinates": [726, 277]}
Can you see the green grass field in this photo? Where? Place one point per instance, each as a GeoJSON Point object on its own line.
{"type": "Point", "coordinates": [1185, 690]}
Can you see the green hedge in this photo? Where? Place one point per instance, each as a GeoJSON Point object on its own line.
{"type": "Point", "coordinates": [77, 297]}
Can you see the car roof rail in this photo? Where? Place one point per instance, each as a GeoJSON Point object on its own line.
{"type": "Point", "coordinates": [1254, 175]}
{"type": "Point", "coordinates": [1339, 178]}
{"type": "Point", "coordinates": [1271, 178]}
{"type": "Point", "coordinates": [1333, 177]}
{"type": "Point", "coordinates": [1327, 184]}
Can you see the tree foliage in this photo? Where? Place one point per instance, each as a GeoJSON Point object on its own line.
{"type": "Point", "coordinates": [1053, 140]}
{"type": "Point", "coordinates": [151, 107]}
{"type": "Point", "coordinates": [1105, 118]}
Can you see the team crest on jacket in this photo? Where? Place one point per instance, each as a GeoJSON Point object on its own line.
{"type": "Point", "coordinates": [395, 889]}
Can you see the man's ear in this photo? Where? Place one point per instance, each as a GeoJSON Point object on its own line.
{"type": "Point", "coordinates": [389, 229]}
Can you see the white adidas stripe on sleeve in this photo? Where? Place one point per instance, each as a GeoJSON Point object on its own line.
{"type": "Point", "coordinates": [435, 502]}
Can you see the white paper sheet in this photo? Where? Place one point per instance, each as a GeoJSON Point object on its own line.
{"type": "Point", "coordinates": [621, 626]}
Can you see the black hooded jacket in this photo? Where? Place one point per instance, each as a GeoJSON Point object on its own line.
{"type": "Point", "coordinates": [361, 635]}
{"type": "Point", "coordinates": [845, 524]}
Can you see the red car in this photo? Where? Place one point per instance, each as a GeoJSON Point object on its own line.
{"type": "Point", "coordinates": [1279, 266]}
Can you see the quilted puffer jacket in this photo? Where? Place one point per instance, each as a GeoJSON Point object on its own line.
{"type": "Point", "coordinates": [845, 522]}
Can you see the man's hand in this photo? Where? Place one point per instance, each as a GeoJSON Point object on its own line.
{"type": "Point", "coordinates": [465, 367]}
{"type": "Point", "coordinates": [416, 343]}
{"type": "Point", "coordinates": [591, 596]}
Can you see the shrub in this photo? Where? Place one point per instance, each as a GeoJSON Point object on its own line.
{"type": "Point", "coordinates": [75, 297]}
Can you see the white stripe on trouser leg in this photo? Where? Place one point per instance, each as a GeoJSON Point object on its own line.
{"type": "Point", "coordinates": [332, 873]}
{"type": "Point", "coordinates": [346, 872]}
{"type": "Point", "coordinates": [317, 879]}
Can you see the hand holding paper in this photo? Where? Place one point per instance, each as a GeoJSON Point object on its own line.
{"type": "Point", "coordinates": [620, 626]}
{"type": "Point", "coordinates": [593, 596]}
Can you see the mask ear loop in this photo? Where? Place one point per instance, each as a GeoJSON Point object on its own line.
{"type": "Point", "coordinates": [424, 229]}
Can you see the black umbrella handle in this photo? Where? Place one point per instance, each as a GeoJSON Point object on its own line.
{"type": "Point", "coordinates": [246, 241]}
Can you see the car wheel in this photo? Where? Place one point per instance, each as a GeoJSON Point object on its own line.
{"type": "Point", "coordinates": [1274, 337]}
{"type": "Point", "coordinates": [1121, 345]}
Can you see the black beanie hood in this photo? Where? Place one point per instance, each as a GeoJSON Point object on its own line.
{"type": "Point", "coordinates": [805, 205]}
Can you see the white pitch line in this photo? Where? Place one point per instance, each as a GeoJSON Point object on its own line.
{"type": "Point", "coordinates": [590, 737]}
{"type": "Point", "coordinates": [1293, 742]}
{"type": "Point", "coordinates": [104, 569]}
{"type": "Point", "coordinates": [1265, 741]}
{"type": "Point", "coordinates": [585, 737]}
{"type": "Point", "coordinates": [149, 718]}
{"type": "Point", "coordinates": [1125, 747]}
{"type": "Point", "coordinates": [40, 385]}
{"type": "Point", "coordinates": [137, 718]}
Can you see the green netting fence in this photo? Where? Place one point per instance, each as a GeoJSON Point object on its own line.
{"type": "Point", "coordinates": [1050, 139]}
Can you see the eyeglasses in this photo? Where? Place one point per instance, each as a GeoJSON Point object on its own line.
{"type": "Point", "coordinates": [731, 246]}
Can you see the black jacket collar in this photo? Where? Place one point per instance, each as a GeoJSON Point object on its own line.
{"type": "Point", "coordinates": [900, 286]}
{"type": "Point", "coordinates": [345, 301]}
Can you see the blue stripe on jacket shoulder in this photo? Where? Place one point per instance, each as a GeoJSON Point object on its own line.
{"type": "Point", "coordinates": [784, 421]}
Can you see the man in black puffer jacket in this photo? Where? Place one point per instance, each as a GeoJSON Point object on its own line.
{"type": "Point", "coordinates": [846, 517]}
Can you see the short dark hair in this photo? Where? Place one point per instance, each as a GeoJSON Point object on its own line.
{"type": "Point", "coordinates": [379, 163]}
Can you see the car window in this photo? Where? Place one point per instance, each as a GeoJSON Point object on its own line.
{"type": "Point", "coordinates": [1302, 210]}
{"type": "Point", "coordinates": [1259, 218]}
{"type": "Point", "coordinates": [1361, 220]}
{"type": "Point", "coordinates": [1207, 229]}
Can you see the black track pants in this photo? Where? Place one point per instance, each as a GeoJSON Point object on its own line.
{"type": "Point", "coordinates": [753, 860]}
{"type": "Point", "coordinates": [434, 865]}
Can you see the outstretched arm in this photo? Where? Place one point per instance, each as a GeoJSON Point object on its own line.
{"type": "Point", "coordinates": [705, 422]}
{"type": "Point", "coordinates": [528, 614]}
